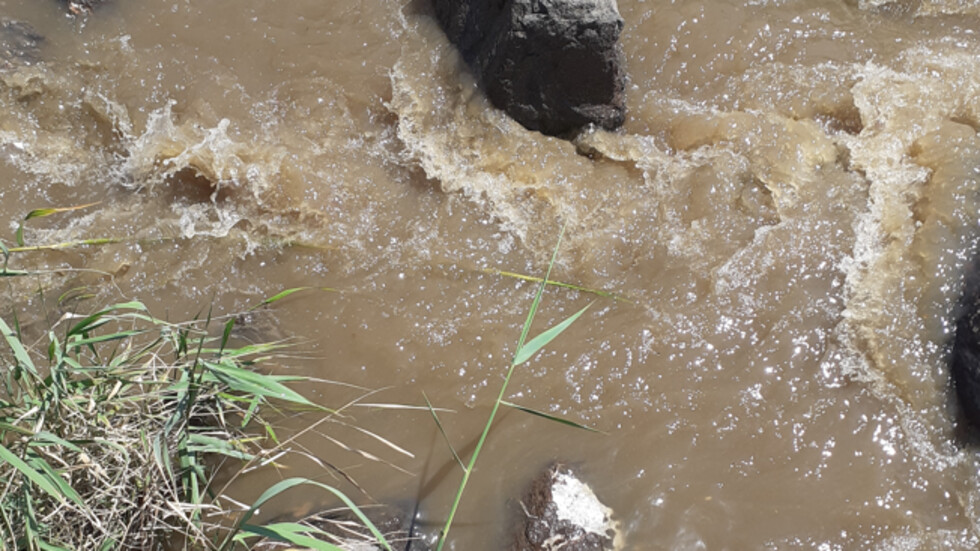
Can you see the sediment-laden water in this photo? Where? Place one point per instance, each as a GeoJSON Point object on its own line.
{"type": "Point", "coordinates": [788, 212]}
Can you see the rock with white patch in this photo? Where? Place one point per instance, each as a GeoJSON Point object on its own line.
{"type": "Point", "coordinates": [561, 512]}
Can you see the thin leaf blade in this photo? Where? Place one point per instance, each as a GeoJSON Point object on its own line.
{"type": "Point", "coordinates": [255, 383]}
{"type": "Point", "coordinates": [36, 477]}
{"type": "Point", "coordinates": [550, 417]}
{"type": "Point", "coordinates": [20, 353]}
{"type": "Point", "coordinates": [41, 213]}
{"type": "Point", "coordinates": [284, 485]}
{"type": "Point", "coordinates": [537, 343]}
{"type": "Point", "coordinates": [295, 534]}
{"type": "Point", "coordinates": [442, 430]}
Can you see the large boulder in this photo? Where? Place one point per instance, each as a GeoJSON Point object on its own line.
{"type": "Point", "coordinates": [552, 65]}
{"type": "Point", "coordinates": [561, 512]}
{"type": "Point", "coordinates": [965, 361]}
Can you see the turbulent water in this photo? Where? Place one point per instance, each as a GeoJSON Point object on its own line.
{"type": "Point", "coordinates": [787, 216]}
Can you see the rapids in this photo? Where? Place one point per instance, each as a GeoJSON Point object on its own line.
{"type": "Point", "coordinates": [787, 214]}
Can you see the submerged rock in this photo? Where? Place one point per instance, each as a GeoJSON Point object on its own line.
{"type": "Point", "coordinates": [965, 362]}
{"type": "Point", "coordinates": [19, 44]}
{"type": "Point", "coordinates": [78, 7]}
{"type": "Point", "coordinates": [562, 512]}
{"type": "Point", "coordinates": [552, 65]}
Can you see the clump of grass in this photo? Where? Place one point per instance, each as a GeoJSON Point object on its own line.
{"type": "Point", "coordinates": [112, 425]}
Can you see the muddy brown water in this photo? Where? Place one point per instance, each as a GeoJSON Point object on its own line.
{"type": "Point", "coordinates": [788, 210]}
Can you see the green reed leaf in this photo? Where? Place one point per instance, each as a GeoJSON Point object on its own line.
{"type": "Point", "coordinates": [285, 485]}
{"type": "Point", "coordinates": [251, 382]}
{"type": "Point", "coordinates": [42, 213]}
{"type": "Point", "coordinates": [20, 353]}
{"type": "Point", "coordinates": [39, 479]}
{"type": "Point", "coordinates": [553, 283]}
{"type": "Point", "coordinates": [432, 411]}
{"type": "Point", "coordinates": [550, 417]}
{"type": "Point", "coordinates": [291, 532]}
{"type": "Point", "coordinates": [537, 343]}
{"type": "Point", "coordinates": [283, 294]}
{"type": "Point", "coordinates": [63, 245]}
{"type": "Point", "coordinates": [46, 470]}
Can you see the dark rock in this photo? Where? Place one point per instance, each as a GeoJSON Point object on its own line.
{"type": "Point", "coordinates": [19, 44]}
{"type": "Point", "coordinates": [79, 7]}
{"type": "Point", "coordinates": [965, 363]}
{"type": "Point", "coordinates": [562, 512]}
{"type": "Point", "coordinates": [553, 65]}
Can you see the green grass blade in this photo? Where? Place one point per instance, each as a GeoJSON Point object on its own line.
{"type": "Point", "coordinates": [279, 296]}
{"type": "Point", "coordinates": [88, 324]}
{"type": "Point", "coordinates": [5, 426]}
{"type": "Point", "coordinates": [226, 335]}
{"type": "Point", "coordinates": [34, 476]}
{"type": "Point", "coordinates": [161, 454]}
{"type": "Point", "coordinates": [284, 485]}
{"type": "Point", "coordinates": [202, 443]}
{"type": "Point", "coordinates": [283, 294]}
{"type": "Point", "coordinates": [65, 245]}
{"type": "Point", "coordinates": [247, 350]}
{"type": "Point", "coordinates": [50, 547]}
{"type": "Point", "coordinates": [41, 213]}
{"type": "Point", "coordinates": [45, 468]}
{"type": "Point", "coordinates": [255, 383]}
{"type": "Point", "coordinates": [537, 297]}
{"type": "Point", "coordinates": [48, 437]}
{"type": "Point", "coordinates": [524, 277]}
{"type": "Point", "coordinates": [81, 343]}
{"type": "Point", "coordinates": [80, 293]}
{"type": "Point", "coordinates": [99, 318]}
{"type": "Point", "coordinates": [445, 436]}
{"type": "Point", "coordinates": [31, 526]}
{"type": "Point", "coordinates": [551, 417]}
{"type": "Point", "coordinates": [14, 273]}
{"type": "Point", "coordinates": [131, 305]}
{"type": "Point", "coordinates": [6, 260]}
{"type": "Point", "coordinates": [293, 533]}
{"type": "Point", "coordinates": [20, 353]}
{"type": "Point", "coordinates": [250, 412]}
{"type": "Point", "coordinates": [537, 343]}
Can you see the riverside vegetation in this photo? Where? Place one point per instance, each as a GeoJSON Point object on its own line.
{"type": "Point", "coordinates": [114, 425]}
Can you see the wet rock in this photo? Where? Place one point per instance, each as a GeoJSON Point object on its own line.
{"type": "Point", "coordinates": [552, 65]}
{"type": "Point", "coordinates": [79, 7]}
{"type": "Point", "coordinates": [965, 362]}
{"type": "Point", "coordinates": [19, 44]}
{"type": "Point", "coordinates": [562, 512]}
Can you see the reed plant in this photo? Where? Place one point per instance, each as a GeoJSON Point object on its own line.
{"type": "Point", "coordinates": [526, 349]}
